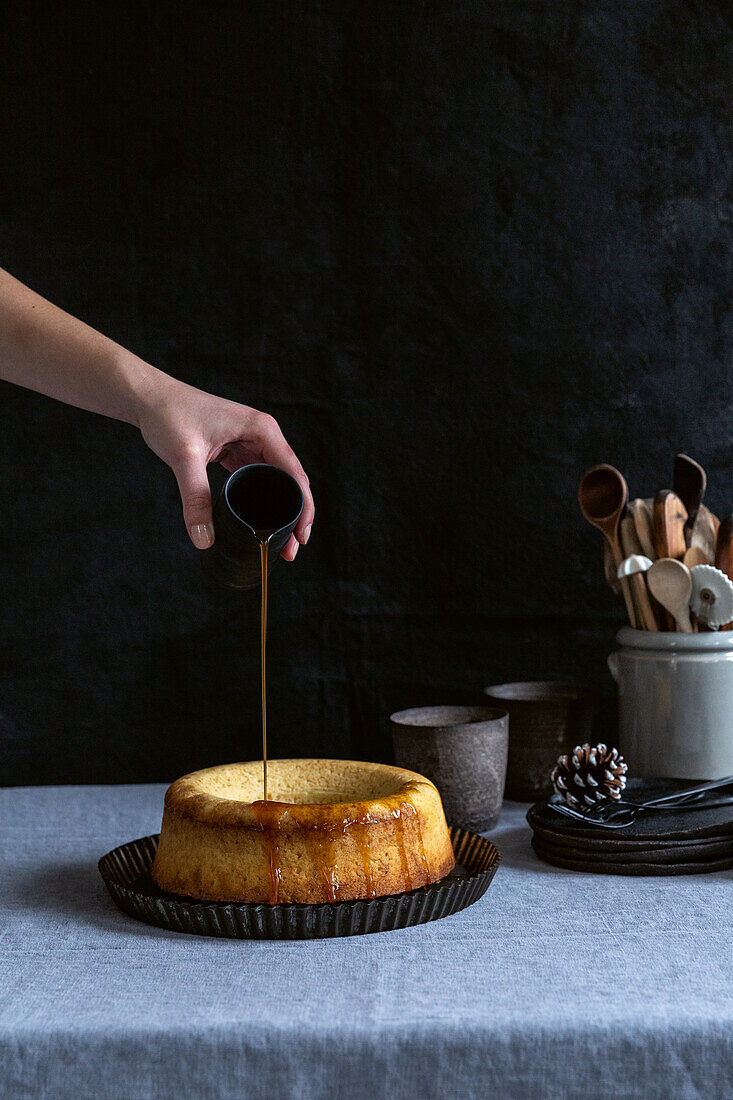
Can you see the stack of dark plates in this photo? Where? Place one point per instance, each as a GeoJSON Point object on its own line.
{"type": "Point", "coordinates": [669, 843]}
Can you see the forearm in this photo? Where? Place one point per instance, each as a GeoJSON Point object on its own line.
{"type": "Point", "coordinates": [47, 350]}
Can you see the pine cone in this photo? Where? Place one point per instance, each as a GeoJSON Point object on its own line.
{"type": "Point", "coordinates": [592, 773]}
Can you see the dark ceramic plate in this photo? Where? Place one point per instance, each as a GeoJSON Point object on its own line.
{"type": "Point", "coordinates": [650, 831]}
{"type": "Point", "coordinates": [598, 866]}
{"type": "Point", "coordinates": [607, 843]}
{"type": "Point", "coordinates": [126, 874]}
{"type": "Point", "coordinates": [680, 853]}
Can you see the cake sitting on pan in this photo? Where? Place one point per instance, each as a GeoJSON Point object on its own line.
{"type": "Point", "coordinates": [332, 830]}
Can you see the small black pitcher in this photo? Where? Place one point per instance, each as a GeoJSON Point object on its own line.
{"type": "Point", "coordinates": [255, 502]}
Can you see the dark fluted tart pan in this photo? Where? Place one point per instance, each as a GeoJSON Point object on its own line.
{"type": "Point", "coordinates": [126, 874]}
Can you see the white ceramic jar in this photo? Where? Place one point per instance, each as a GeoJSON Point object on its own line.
{"type": "Point", "coordinates": [675, 703]}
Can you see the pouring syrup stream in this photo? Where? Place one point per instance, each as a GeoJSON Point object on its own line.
{"type": "Point", "coordinates": [270, 815]}
{"type": "Point", "coordinates": [264, 541]}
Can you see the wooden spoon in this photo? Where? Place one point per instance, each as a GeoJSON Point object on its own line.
{"type": "Point", "coordinates": [670, 583]}
{"type": "Point", "coordinates": [641, 514]}
{"type": "Point", "coordinates": [631, 547]}
{"type": "Point", "coordinates": [689, 481]}
{"type": "Point", "coordinates": [705, 531]}
{"type": "Point", "coordinates": [602, 496]}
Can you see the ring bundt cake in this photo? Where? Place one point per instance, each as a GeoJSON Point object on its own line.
{"type": "Point", "coordinates": [332, 830]}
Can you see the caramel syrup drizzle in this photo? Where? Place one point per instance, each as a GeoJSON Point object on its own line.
{"type": "Point", "coordinates": [269, 815]}
{"type": "Point", "coordinates": [322, 854]}
{"type": "Point", "coordinates": [361, 836]}
{"type": "Point", "coordinates": [421, 847]}
{"type": "Point", "coordinates": [264, 545]}
{"type": "Point", "coordinates": [399, 820]}
{"type": "Point", "coordinates": [319, 843]}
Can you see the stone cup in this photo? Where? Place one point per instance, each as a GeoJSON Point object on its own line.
{"type": "Point", "coordinates": [463, 750]}
{"type": "Point", "coordinates": [546, 719]}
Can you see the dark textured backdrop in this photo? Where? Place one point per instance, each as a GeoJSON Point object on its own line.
{"type": "Point", "coordinates": [460, 250]}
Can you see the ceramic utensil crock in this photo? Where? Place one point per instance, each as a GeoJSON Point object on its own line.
{"type": "Point", "coordinates": [675, 703]}
{"type": "Point", "coordinates": [254, 500]}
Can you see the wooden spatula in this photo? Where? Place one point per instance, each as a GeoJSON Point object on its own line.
{"type": "Point", "coordinates": [724, 553]}
{"type": "Point", "coordinates": [723, 557]}
{"type": "Point", "coordinates": [671, 585]}
{"type": "Point", "coordinates": [668, 517]}
{"type": "Point", "coordinates": [705, 532]}
{"type": "Point", "coordinates": [689, 481]}
{"type": "Point", "coordinates": [641, 514]}
{"type": "Point", "coordinates": [631, 546]}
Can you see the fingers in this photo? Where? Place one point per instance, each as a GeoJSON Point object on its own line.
{"type": "Point", "coordinates": [276, 450]}
{"type": "Point", "coordinates": [196, 497]}
{"type": "Point", "coordinates": [303, 527]}
{"type": "Point", "coordinates": [290, 549]}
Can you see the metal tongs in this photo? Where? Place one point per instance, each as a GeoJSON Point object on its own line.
{"type": "Point", "coordinates": [614, 813]}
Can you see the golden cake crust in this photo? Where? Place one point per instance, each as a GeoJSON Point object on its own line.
{"type": "Point", "coordinates": [333, 830]}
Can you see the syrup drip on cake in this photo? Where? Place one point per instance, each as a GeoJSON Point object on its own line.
{"type": "Point", "coordinates": [320, 847]}
{"type": "Point", "coordinates": [398, 815]}
{"type": "Point", "coordinates": [269, 816]}
{"type": "Point", "coordinates": [419, 846]}
{"type": "Point", "coordinates": [361, 836]}
{"type": "Point", "coordinates": [325, 865]}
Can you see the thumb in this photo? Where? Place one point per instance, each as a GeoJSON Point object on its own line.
{"type": "Point", "coordinates": [196, 497]}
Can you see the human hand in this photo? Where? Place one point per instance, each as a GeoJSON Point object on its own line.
{"type": "Point", "coordinates": [189, 428]}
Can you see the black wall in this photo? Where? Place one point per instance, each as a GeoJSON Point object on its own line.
{"type": "Point", "coordinates": [460, 250]}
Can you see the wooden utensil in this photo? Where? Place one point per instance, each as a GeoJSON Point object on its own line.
{"type": "Point", "coordinates": [695, 555]}
{"type": "Point", "coordinates": [724, 553]}
{"type": "Point", "coordinates": [609, 569]}
{"type": "Point", "coordinates": [723, 559]}
{"type": "Point", "coordinates": [602, 497]}
{"type": "Point", "coordinates": [705, 532]}
{"type": "Point", "coordinates": [668, 519]}
{"type": "Point", "coordinates": [670, 583]}
{"type": "Point", "coordinates": [668, 522]}
{"type": "Point", "coordinates": [689, 481]}
{"type": "Point", "coordinates": [641, 514]}
{"type": "Point", "coordinates": [631, 546]}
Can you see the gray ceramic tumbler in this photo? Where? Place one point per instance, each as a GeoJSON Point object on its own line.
{"type": "Point", "coordinates": [463, 750]}
{"type": "Point", "coordinates": [546, 719]}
